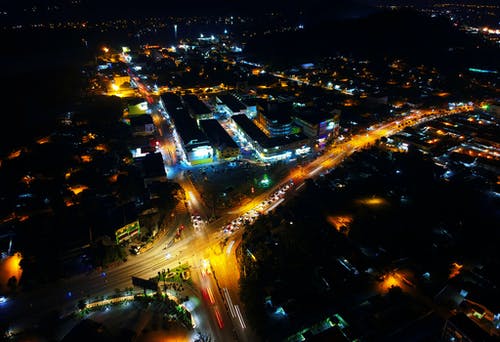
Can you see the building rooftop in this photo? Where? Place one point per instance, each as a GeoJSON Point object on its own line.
{"type": "Point", "coordinates": [313, 116]}
{"type": "Point", "coordinates": [152, 165]}
{"type": "Point", "coordinates": [171, 101]}
{"type": "Point", "coordinates": [140, 120]}
{"type": "Point", "coordinates": [257, 135]}
{"type": "Point", "coordinates": [216, 134]}
{"type": "Point", "coordinates": [232, 102]}
{"type": "Point", "coordinates": [466, 326]}
{"type": "Point", "coordinates": [195, 105]}
{"type": "Point", "coordinates": [277, 112]}
{"type": "Point", "coordinates": [250, 128]}
{"type": "Point", "coordinates": [186, 127]}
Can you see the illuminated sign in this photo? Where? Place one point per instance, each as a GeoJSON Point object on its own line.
{"type": "Point", "coordinates": [303, 150]}
{"type": "Point", "coordinates": [330, 125]}
{"type": "Point", "coordinates": [143, 105]}
{"type": "Point", "coordinates": [202, 152]}
{"type": "Point", "coordinates": [127, 231]}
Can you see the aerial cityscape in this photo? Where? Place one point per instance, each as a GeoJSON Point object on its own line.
{"type": "Point", "coordinates": [250, 171]}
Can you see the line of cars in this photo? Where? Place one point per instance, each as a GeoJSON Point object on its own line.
{"type": "Point", "coordinates": [250, 216]}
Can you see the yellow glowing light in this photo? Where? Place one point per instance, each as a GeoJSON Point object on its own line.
{"type": "Point", "coordinates": [27, 179]}
{"type": "Point", "coordinates": [101, 147]}
{"type": "Point", "coordinates": [9, 267]}
{"type": "Point", "coordinates": [373, 201]}
{"type": "Point", "coordinates": [115, 87]}
{"type": "Point", "coordinates": [390, 281]}
{"type": "Point", "coordinates": [341, 223]}
{"type": "Point", "coordinates": [14, 154]}
{"type": "Point", "coordinates": [86, 158]}
{"type": "Point", "coordinates": [78, 188]}
{"type": "Point", "coordinates": [455, 269]}
{"type": "Point", "coordinates": [43, 140]}
{"type": "Point", "coordinates": [443, 94]}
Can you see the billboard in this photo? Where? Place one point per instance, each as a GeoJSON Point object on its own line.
{"type": "Point", "coordinates": [127, 231]}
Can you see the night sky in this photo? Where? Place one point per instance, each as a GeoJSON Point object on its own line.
{"type": "Point", "coordinates": [40, 10]}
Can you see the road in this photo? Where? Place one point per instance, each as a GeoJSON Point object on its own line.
{"type": "Point", "coordinates": [223, 314]}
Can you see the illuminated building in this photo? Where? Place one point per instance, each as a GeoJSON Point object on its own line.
{"type": "Point", "coordinates": [321, 127]}
{"type": "Point", "coordinates": [136, 106]}
{"type": "Point", "coordinates": [251, 105]}
{"type": "Point", "coordinates": [274, 118]}
{"type": "Point", "coordinates": [224, 145]}
{"type": "Point", "coordinates": [194, 142]}
{"type": "Point", "coordinates": [196, 108]}
{"type": "Point", "coordinates": [271, 149]}
{"type": "Point", "coordinates": [230, 104]}
{"type": "Point", "coordinates": [119, 80]}
{"type": "Point", "coordinates": [461, 328]}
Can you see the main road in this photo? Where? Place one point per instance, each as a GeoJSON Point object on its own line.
{"type": "Point", "coordinates": [227, 319]}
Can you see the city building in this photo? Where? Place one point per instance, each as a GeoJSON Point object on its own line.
{"type": "Point", "coordinates": [136, 106]}
{"type": "Point", "coordinates": [152, 168]}
{"type": "Point", "coordinates": [271, 149]}
{"type": "Point", "coordinates": [193, 141]}
{"type": "Point", "coordinates": [141, 124]}
{"type": "Point", "coordinates": [252, 104]}
{"type": "Point", "coordinates": [460, 328]}
{"type": "Point", "coordinates": [320, 126]}
{"type": "Point", "coordinates": [197, 108]}
{"type": "Point", "coordinates": [274, 119]}
{"type": "Point", "coordinates": [230, 104]}
{"type": "Point", "coordinates": [139, 145]}
{"type": "Point", "coordinates": [196, 146]}
{"type": "Point", "coordinates": [224, 145]}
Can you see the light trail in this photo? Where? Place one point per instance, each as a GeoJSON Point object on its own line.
{"type": "Point", "coordinates": [229, 302]}
{"type": "Point", "coordinates": [230, 247]}
{"type": "Point", "coordinates": [240, 316]}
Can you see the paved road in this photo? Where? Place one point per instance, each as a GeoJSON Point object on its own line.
{"type": "Point", "coordinates": [195, 246]}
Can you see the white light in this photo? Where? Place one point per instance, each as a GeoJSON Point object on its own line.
{"type": "Point", "coordinates": [303, 150]}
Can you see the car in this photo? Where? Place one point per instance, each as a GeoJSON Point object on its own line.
{"type": "Point", "coordinates": [135, 250]}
